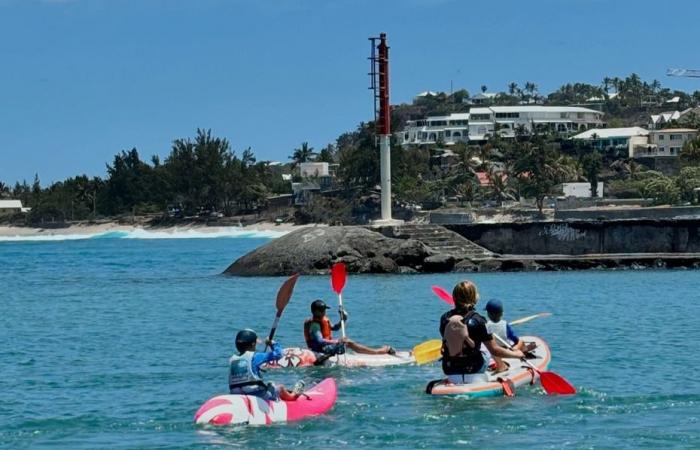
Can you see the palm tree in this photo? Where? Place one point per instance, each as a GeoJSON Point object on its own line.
{"type": "Point", "coordinates": [530, 87]}
{"type": "Point", "coordinates": [4, 190]}
{"type": "Point", "coordinates": [607, 81]}
{"type": "Point", "coordinates": [483, 88]}
{"type": "Point", "coordinates": [512, 87]}
{"type": "Point", "coordinates": [302, 154]}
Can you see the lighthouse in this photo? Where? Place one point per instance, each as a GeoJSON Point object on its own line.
{"type": "Point", "coordinates": [380, 85]}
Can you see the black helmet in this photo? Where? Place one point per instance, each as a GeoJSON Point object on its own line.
{"type": "Point", "coordinates": [319, 305]}
{"type": "Point", "coordinates": [245, 338]}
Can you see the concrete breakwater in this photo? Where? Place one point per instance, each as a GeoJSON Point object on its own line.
{"type": "Point", "coordinates": [586, 237]}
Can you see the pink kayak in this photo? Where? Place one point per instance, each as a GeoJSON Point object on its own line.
{"type": "Point", "coordinates": [251, 410]}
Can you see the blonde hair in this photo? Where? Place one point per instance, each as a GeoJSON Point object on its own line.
{"type": "Point", "coordinates": [465, 294]}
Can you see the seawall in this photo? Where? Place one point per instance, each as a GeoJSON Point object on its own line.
{"type": "Point", "coordinates": [580, 237]}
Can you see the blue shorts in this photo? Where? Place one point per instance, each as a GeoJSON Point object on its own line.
{"type": "Point", "coordinates": [332, 349]}
{"type": "Point", "coordinates": [270, 393]}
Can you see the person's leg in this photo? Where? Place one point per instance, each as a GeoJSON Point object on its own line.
{"type": "Point", "coordinates": [359, 348]}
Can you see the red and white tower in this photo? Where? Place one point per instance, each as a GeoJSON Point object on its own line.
{"type": "Point", "coordinates": [382, 114]}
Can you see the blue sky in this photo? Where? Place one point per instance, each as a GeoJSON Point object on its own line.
{"type": "Point", "coordinates": [81, 80]}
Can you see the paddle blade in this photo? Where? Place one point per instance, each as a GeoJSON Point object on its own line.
{"type": "Point", "coordinates": [443, 294]}
{"type": "Point", "coordinates": [285, 293]}
{"type": "Point", "coordinates": [553, 383]}
{"type": "Point", "coordinates": [529, 318]}
{"type": "Point", "coordinates": [428, 351]}
{"type": "Point", "coordinates": [338, 277]}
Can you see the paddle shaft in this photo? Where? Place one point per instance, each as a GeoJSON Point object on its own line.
{"type": "Point", "coordinates": [510, 347]}
{"type": "Point", "coordinates": [342, 318]}
{"type": "Point", "coordinates": [273, 330]}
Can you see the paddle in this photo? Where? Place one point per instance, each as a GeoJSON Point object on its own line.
{"type": "Point", "coordinates": [529, 318]}
{"type": "Point", "coordinates": [427, 351]}
{"type": "Point", "coordinates": [283, 297]}
{"type": "Point", "coordinates": [443, 294]}
{"type": "Point", "coordinates": [553, 383]}
{"type": "Point", "coordinates": [338, 278]}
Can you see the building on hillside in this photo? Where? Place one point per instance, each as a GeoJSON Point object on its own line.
{"type": "Point", "coordinates": [509, 119]}
{"type": "Point", "coordinates": [480, 122]}
{"type": "Point", "coordinates": [432, 130]}
{"type": "Point", "coordinates": [659, 120]}
{"type": "Point", "coordinates": [666, 142]}
{"type": "Point", "coordinates": [581, 190]}
{"type": "Point", "coordinates": [425, 94]}
{"type": "Point", "coordinates": [614, 138]}
{"type": "Point", "coordinates": [314, 169]}
{"type": "Point", "coordinates": [9, 207]}
{"type": "Point", "coordinates": [482, 98]}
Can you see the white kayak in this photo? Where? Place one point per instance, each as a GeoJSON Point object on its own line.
{"type": "Point", "coordinates": [519, 374]}
{"type": "Point", "coordinates": [302, 357]}
{"type": "Point", "coordinates": [250, 410]}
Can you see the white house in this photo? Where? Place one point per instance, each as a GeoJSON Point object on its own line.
{"type": "Point", "coordinates": [581, 190]}
{"type": "Point", "coordinates": [508, 119]}
{"type": "Point", "coordinates": [615, 138]}
{"type": "Point", "coordinates": [481, 122]}
{"type": "Point", "coordinates": [8, 207]}
{"type": "Point", "coordinates": [313, 169]}
{"type": "Point", "coordinates": [660, 119]}
{"type": "Point", "coordinates": [666, 142]}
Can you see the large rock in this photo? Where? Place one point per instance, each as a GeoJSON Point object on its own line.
{"type": "Point", "coordinates": [313, 250]}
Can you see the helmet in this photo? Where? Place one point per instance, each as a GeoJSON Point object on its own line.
{"type": "Point", "coordinates": [494, 306]}
{"type": "Point", "coordinates": [319, 305]}
{"type": "Point", "coordinates": [245, 338]}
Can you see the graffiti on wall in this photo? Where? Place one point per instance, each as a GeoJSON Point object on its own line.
{"type": "Point", "coordinates": [563, 232]}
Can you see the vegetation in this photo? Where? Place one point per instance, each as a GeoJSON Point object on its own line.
{"type": "Point", "coordinates": [203, 175]}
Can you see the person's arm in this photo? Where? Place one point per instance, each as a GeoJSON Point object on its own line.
{"type": "Point", "coordinates": [338, 325]}
{"type": "Point", "coordinates": [503, 352]}
{"type": "Point", "coordinates": [317, 336]}
{"type": "Point", "coordinates": [510, 334]}
{"type": "Point", "coordinates": [260, 358]}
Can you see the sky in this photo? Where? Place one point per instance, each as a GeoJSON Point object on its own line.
{"type": "Point", "coordinates": [81, 80]}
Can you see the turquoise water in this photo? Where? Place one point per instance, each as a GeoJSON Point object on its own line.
{"type": "Point", "coordinates": [115, 343]}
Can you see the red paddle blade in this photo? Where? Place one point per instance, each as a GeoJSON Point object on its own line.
{"type": "Point", "coordinates": [285, 293]}
{"type": "Point", "coordinates": [554, 383]}
{"type": "Point", "coordinates": [443, 294]}
{"type": "Point", "coordinates": [338, 277]}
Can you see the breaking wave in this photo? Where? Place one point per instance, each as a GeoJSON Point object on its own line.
{"type": "Point", "coordinates": [140, 233]}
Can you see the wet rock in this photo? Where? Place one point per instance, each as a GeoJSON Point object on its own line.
{"type": "Point", "coordinates": [465, 266]}
{"type": "Point", "coordinates": [439, 263]}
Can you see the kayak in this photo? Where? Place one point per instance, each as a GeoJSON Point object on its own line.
{"type": "Point", "coordinates": [302, 357]}
{"type": "Point", "coordinates": [250, 410]}
{"type": "Point", "coordinates": [518, 374]}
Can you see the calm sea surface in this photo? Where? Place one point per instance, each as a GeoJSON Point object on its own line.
{"type": "Point", "coordinates": [115, 343]}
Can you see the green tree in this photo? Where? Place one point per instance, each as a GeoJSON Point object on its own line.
{"type": "Point", "coordinates": [688, 182]}
{"type": "Point", "coordinates": [539, 168]}
{"type": "Point", "coordinates": [302, 154]}
{"type": "Point", "coordinates": [592, 163]}
{"type": "Point", "coordinates": [662, 189]}
{"type": "Point", "coordinates": [690, 153]}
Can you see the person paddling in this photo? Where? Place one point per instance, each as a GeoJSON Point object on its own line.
{"type": "Point", "coordinates": [463, 330]}
{"type": "Point", "coordinates": [318, 334]}
{"type": "Point", "coordinates": [245, 377]}
{"type": "Point", "coordinates": [499, 326]}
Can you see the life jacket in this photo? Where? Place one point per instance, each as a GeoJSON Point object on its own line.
{"type": "Point", "coordinates": [469, 360]}
{"type": "Point", "coordinates": [326, 331]}
{"type": "Point", "coordinates": [241, 378]}
{"type": "Point", "coordinates": [500, 329]}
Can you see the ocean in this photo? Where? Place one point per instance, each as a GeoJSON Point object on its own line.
{"type": "Point", "coordinates": [114, 341]}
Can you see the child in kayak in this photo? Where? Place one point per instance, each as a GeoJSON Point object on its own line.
{"type": "Point", "coordinates": [500, 327]}
{"type": "Point", "coordinates": [319, 337]}
{"type": "Point", "coordinates": [244, 370]}
{"type": "Point", "coordinates": [463, 331]}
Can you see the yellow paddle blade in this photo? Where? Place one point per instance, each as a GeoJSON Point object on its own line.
{"type": "Point", "coordinates": [427, 351]}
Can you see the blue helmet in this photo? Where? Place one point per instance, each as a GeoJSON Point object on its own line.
{"type": "Point", "coordinates": [245, 338]}
{"type": "Point", "coordinates": [494, 306]}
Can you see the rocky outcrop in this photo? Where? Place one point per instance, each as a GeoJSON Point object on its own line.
{"type": "Point", "coordinates": [313, 250]}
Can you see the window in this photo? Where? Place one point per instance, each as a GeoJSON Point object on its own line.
{"type": "Point", "coordinates": [675, 150]}
{"type": "Point", "coordinates": [661, 137]}
{"type": "Point", "coordinates": [510, 115]}
{"type": "Point", "coordinates": [480, 116]}
{"type": "Point", "coordinates": [448, 133]}
{"type": "Point", "coordinates": [456, 134]}
{"type": "Point", "coordinates": [675, 137]}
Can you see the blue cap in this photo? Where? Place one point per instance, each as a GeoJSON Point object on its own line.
{"type": "Point", "coordinates": [494, 306]}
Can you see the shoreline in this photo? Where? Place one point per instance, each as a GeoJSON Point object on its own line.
{"type": "Point", "coordinates": [93, 229]}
